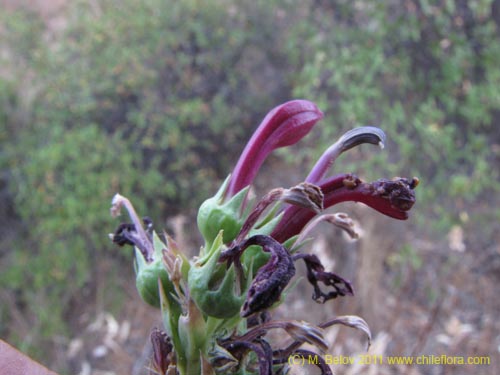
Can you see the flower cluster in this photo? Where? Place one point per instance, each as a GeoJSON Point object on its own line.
{"type": "Point", "coordinates": [216, 307]}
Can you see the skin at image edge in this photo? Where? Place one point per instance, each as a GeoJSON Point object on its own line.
{"type": "Point", "coordinates": [13, 362]}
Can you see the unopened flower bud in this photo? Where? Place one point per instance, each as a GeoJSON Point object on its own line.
{"type": "Point", "coordinates": [215, 215]}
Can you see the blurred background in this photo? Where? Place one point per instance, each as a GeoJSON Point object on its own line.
{"type": "Point", "coordinates": [155, 99]}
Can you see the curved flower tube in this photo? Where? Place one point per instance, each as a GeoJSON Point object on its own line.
{"type": "Point", "coordinates": [390, 197]}
{"type": "Point", "coordinates": [353, 138]}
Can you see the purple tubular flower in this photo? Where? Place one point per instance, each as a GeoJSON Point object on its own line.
{"type": "Point", "coordinates": [389, 197]}
{"type": "Point", "coordinates": [285, 125]}
{"type": "Point", "coordinates": [353, 138]}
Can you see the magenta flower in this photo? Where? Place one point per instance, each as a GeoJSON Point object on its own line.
{"type": "Point", "coordinates": [285, 125]}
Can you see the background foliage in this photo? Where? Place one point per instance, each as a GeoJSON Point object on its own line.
{"type": "Point", "coordinates": [156, 98]}
{"type": "Point", "coordinates": [427, 74]}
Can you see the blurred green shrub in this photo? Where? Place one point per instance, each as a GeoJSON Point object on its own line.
{"type": "Point", "coordinates": [171, 79]}
{"type": "Point", "coordinates": [147, 98]}
{"type": "Point", "coordinates": [425, 72]}
{"type": "Point", "coordinates": [59, 195]}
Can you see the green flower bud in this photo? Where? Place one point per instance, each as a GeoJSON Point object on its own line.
{"type": "Point", "coordinates": [148, 273]}
{"type": "Point", "coordinates": [213, 287]}
{"type": "Point", "coordinates": [215, 215]}
{"type": "Point", "coordinates": [146, 280]}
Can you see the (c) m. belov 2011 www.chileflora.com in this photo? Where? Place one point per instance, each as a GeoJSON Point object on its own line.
{"type": "Point", "coordinates": [216, 307]}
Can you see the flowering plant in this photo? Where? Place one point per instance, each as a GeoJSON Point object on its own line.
{"type": "Point", "coordinates": [215, 307]}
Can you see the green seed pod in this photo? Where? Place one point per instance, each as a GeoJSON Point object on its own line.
{"type": "Point", "coordinates": [148, 273]}
{"type": "Point", "coordinates": [146, 280]}
{"type": "Point", "coordinates": [215, 215]}
{"type": "Point", "coordinates": [212, 286]}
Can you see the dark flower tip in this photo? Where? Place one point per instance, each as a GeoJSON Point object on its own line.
{"type": "Point", "coordinates": [260, 348]}
{"type": "Point", "coordinates": [162, 352]}
{"type": "Point", "coordinates": [270, 280]}
{"type": "Point", "coordinates": [393, 198]}
{"type": "Point", "coordinates": [133, 233]}
{"type": "Point", "coordinates": [316, 274]}
{"type": "Point", "coordinates": [127, 234]}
